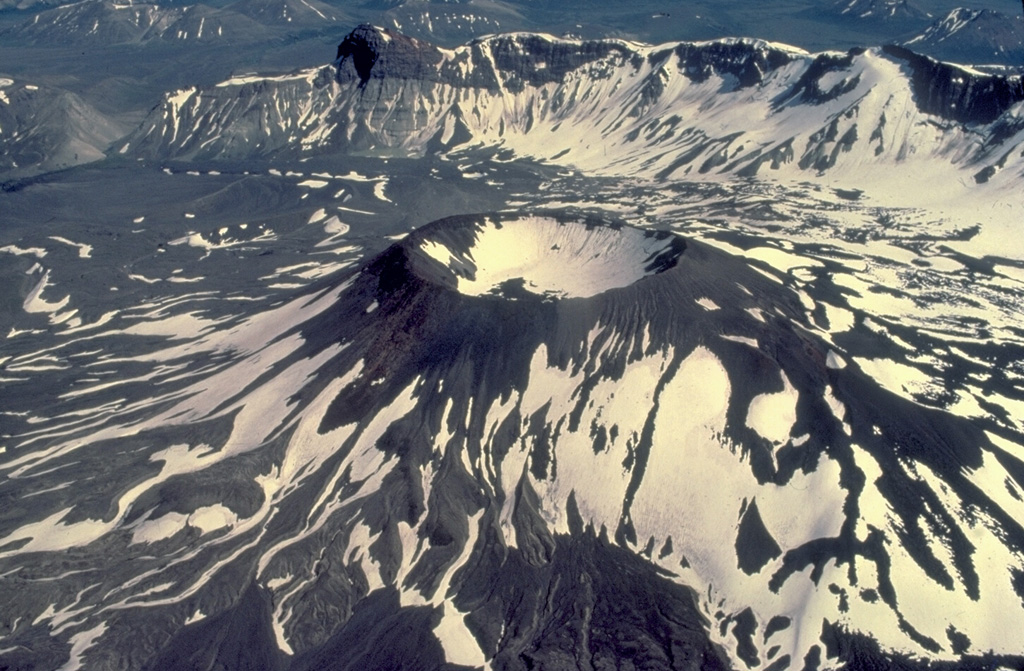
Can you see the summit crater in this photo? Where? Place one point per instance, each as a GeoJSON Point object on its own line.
{"type": "Point", "coordinates": [542, 255]}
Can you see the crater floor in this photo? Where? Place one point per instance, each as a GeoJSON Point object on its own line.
{"type": "Point", "coordinates": [549, 256]}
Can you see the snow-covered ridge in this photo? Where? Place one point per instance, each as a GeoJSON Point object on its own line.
{"type": "Point", "coordinates": [729, 107]}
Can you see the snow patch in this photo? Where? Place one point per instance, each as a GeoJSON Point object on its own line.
{"type": "Point", "coordinates": [81, 642]}
{"type": "Point", "coordinates": [84, 251]}
{"type": "Point", "coordinates": [834, 361]}
{"type": "Point", "coordinates": [159, 529]}
{"type": "Point", "coordinates": [708, 304]}
{"type": "Point", "coordinates": [38, 252]}
{"type": "Point", "coordinates": [773, 415]}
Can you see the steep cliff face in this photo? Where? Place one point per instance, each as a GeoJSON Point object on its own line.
{"type": "Point", "coordinates": [729, 107]}
{"type": "Point", "coordinates": [530, 61]}
{"type": "Point", "coordinates": [748, 61]}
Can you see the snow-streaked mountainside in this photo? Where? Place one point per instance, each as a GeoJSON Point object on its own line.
{"type": "Point", "coordinates": [735, 108]}
{"type": "Point", "coordinates": [880, 10]}
{"type": "Point", "coordinates": [289, 12]}
{"type": "Point", "coordinates": [113, 22]}
{"type": "Point", "coordinates": [455, 22]}
{"type": "Point", "coordinates": [974, 36]}
{"type": "Point", "coordinates": [629, 447]}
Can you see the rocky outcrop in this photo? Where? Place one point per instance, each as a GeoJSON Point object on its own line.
{"type": "Point", "coordinates": [369, 52]}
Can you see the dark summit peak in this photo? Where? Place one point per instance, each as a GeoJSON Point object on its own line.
{"type": "Point", "coordinates": [364, 45]}
{"type": "Point", "coordinates": [371, 52]}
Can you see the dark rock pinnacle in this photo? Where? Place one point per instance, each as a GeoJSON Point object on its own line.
{"type": "Point", "coordinates": [364, 46]}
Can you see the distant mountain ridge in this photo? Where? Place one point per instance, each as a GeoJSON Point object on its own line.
{"type": "Point", "coordinates": [289, 12]}
{"type": "Point", "coordinates": [973, 36]}
{"type": "Point", "coordinates": [114, 22]}
{"type": "Point", "coordinates": [105, 22]}
{"type": "Point", "coordinates": [880, 10]}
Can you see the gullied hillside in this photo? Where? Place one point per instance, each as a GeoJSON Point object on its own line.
{"type": "Point", "coordinates": [44, 128]}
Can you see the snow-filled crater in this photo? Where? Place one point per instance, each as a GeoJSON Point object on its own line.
{"type": "Point", "coordinates": [547, 256]}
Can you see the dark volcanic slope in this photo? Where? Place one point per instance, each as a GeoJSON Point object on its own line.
{"type": "Point", "coordinates": [531, 441]}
